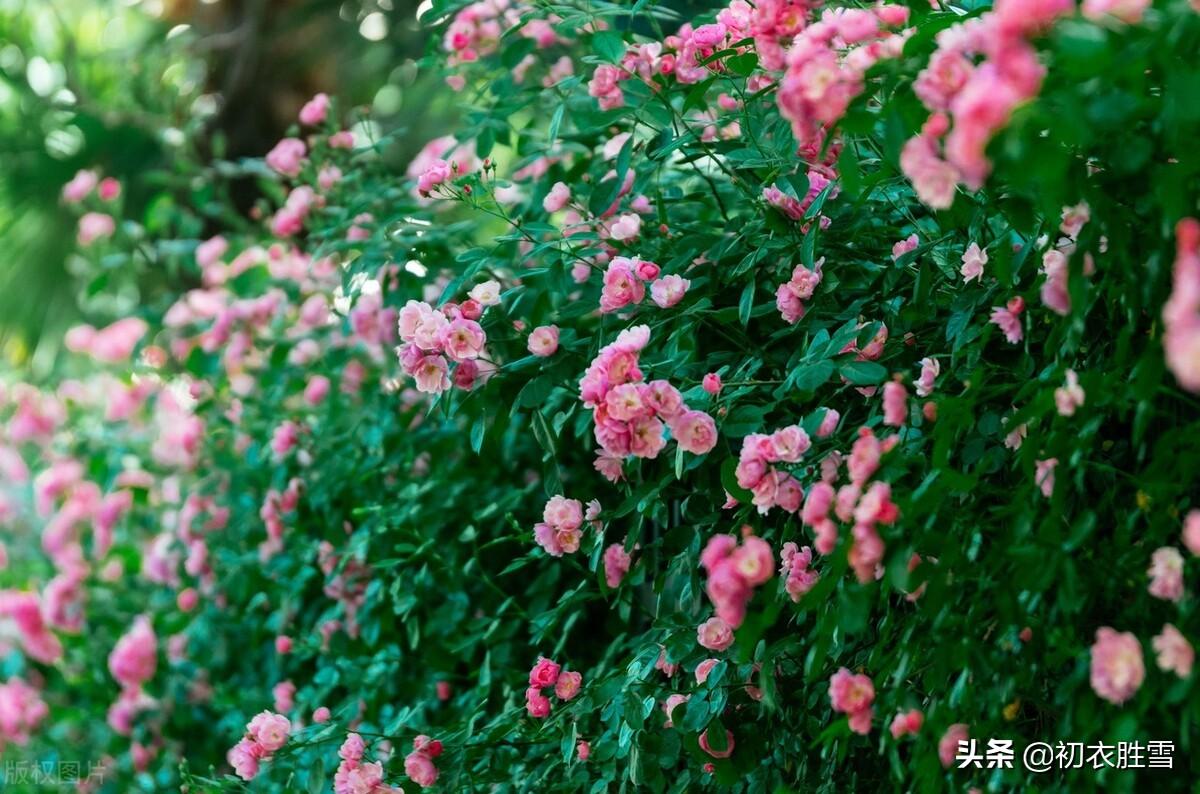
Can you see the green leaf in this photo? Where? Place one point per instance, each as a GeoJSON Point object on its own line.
{"type": "Point", "coordinates": [746, 304]}
{"type": "Point", "coordinates": [863, 373]}
{"type": "Point", "coordinates": [609, 45]}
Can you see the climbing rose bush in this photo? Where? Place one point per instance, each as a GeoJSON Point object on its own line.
{"type": "Point", "coordinates": [766, 397]}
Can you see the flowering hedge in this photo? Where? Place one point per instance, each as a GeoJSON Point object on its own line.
{"type": "Point", "coordinates": [773, 397]}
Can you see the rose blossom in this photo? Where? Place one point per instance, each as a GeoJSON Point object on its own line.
{"type": "Point", "coordinates": [1116, 669]}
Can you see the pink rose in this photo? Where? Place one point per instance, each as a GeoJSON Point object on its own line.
{"type": "Point", "coordinates": [543, 341]}
{"type": "Point", "coordinates": [568, 684]}
{"type": "Point", "coordinates": [714, 634]}
{"type": "Point", "coordinates": [1116, 669]}
{"type": "Point", "coordinates": [544, 673]}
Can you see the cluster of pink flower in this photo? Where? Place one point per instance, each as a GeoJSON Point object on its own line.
{"type": "Point", "coordinates": [616, 564]}
{"type": "Point", "coordinates": [93, 225]}
{"type": "Point", "coordinates": [1008, 319]}
{"type": "Point", "coordinates": [795, 208]}
{"type": "Point", "coordinates": [265, 734]}
{"type": "Point", "coordinates": [625, 280]}
{"type": "Point", "coordinates": [110, 345]}
{"type": "Point", "coordinates": [548, 674]}
{"type": "Point", "coordinates": [347, 585]}
{"type": "Point", "coordinates": [971, 102]}
{"type": "Point", "coordinates": [866, 508]}
{"type": "Point", "coordinates": [681, 55]}
{"type": "Point", "coordinates": [431, 336]}
{"type": "Point", "coordinates": [853, 695]}
{"type": "Point", "coordinates": [734, 571]}
{"type": "Point", "coordinates": [798, 577]}
{"type": "Point", "coordinates": [21, 711]}
{"type": "Point", "coordinates": [355, 776]}
{"type": "Point", "coordinates": [629, 415]}
{"type": "Point", "coordinates": [275, 506]}
{"type": "Point", "coordinates": [826, 64]}
{"type": "Point", "coordinates": [476, 30]}
{"type": "Point", "coordinates": [1181, 312]}
{"type": "Point", "coordinates": [907, 723]}
{"type": "Point", "coordinates": [418, 764]}
{"type": "Point", "coordinates": [791, 294]}
{"type": "Point", "coordinates": [771, 486]}
{"type": "Point", "coordinates": [559, 531]}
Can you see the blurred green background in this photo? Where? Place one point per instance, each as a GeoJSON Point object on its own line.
{"type": "Point", "coordinates": [138, 88]}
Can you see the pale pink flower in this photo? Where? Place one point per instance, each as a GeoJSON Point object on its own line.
{"type": "Point", "coordinates": [487, 293]}
{"type": "Point", "coordinates": [625, 227]}
{"type": "Point", "coordinates": [930, 369]}
{"type": "Point", "coordinates": [316, 389]}
{"type": "Point", "coordinates": [1174, 652]}
{"type": "Point", "coordinates": [568, 685]}
{"type": "Point", "coordinates": [558, 197]}
{"type": "Point", "coordinates": [1044, 475]}
{"type": "Point", "coordinates": [704, 668]}
{"type": "Point", "coordinates": [907, 722]}
{"type": "Point", "coordinates": [543, 341]}
{"type": "Point", "coordinates": [95, 226]}
{"type": "Point", "coordinates": [794, 568]}
{"type": "Point", "coordinates": [1166, 574]}
{"type": "Point", "coordinates": [672, 702]}
{"type": "Point", "coordinates": [431, 375]}
{"type": "Point", "coordinates": [583, 750]}
{"type": "Point", "coordinates": [622, 285]}
{"type": "Point", "coordinates": [714, 634]}
{"type": "Point", "coordinates": [420, 769]}
{"type": "Point", "coordinates": [1069, 397]}
{"type": "Point", "coordinates": [973, 259]}
{"type": "Point", "coordinates": [1181, 312]}
{"type": "Point", "coordinates": [616, 564]}
{"type": "Point", "coordinates": [829, 423]}
{"type": "Point", "coordinates": [135, 656]}
{"type": "Point", "coordinates": [436, 173]}
{"type": "Point", "coordinates": [1116, 668]}
{"type": "Point", "coordinates": [1008, 319]}
{"type": "Point", "coordinates": [83, 183]}
{"type": "Point", "coordinates": [284, 695]}
{"type": "Point", "coordinates": [244, 757]}
{"type": "Point", "coordinates": [1076, 217]}
{"type": "Point", "coordinates": [287, 157]}
{"type": "Point", "coordinates": [901, 248]}
{"type": "Point", "coordinates": [462, 340]}
{"type": "Point", "coordinates": [1054, 291]}
{"type": "Point", "coordinates": [1128, 11]}
{"type": "Point", "coordinates": [315, 110]}
{"type": "Point", "coordinates": [1191, 532]}
{"type": "Point", "coordinates": [895, 403]}
{"type": "Point", "coordinates": [269, 730]}
{"type": "Point", "coordinates": [695, 432]}
{"type": "Point", "coordinates": [853, 695]}
{"type": "Point", "coordinates": [668, 290]}
{"type": "Point", "coordinates": [948, 744]}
